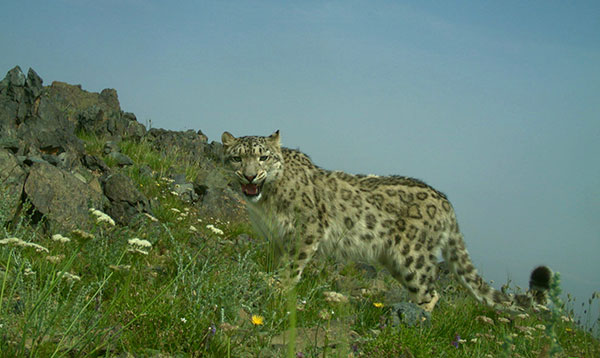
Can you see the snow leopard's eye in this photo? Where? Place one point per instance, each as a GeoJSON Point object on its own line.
{"type": "Point", "coordinates": [235, 159]}
{"type": "Point", "coordinates": [263, 158]}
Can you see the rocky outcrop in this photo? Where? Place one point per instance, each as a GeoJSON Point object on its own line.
{"type": "Point", "coordinates": [98, 113]}
{"type": "Point", "coordinates": [32, 125]}
{"type": "Point", "coordinates": [43, 162]}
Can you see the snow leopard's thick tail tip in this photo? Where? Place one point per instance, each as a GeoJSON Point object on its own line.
{"type": "Point", "coordinates": [539, 283]}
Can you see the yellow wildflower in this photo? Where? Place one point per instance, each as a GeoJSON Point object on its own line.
{"type": "Point", "coordinates": [257, 320]}
{"type": "Point", "coordinates": [378, 304]}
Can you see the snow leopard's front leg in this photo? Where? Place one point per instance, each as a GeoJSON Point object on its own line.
{"type": "Point", "coordinates": [306, 244]}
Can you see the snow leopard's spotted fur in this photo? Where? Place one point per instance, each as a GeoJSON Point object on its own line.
{"type": "Point", "coordinates": [399, 222]}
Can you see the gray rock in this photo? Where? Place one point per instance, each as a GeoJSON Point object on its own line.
{"type": "Point", "coordinates": [12, 178]}
{"type": "Point", "coordinates": [121, 159]}
{"type": "Point", "coordinates": [34, 83]}
{"type": "Point", "coordinates": [215, 151]}
{"type": "Point", "coordinates": [110, 146]}
{"type": "Point", "coordinates": [125, 200]}
{"type": "Point", "coordinates": [94, 163]}
{"type": "Point", "coordinates": [222, 203]}
{"type": "Point", "coordinates": [186, 192]}
{"type": "Point", "coordinates": [179, 179]}
{"type": "Point", "coordinates": [129, 116]}
{"type": "Point", "coordinates": [59, 195]}
{"type": "Point", "coordinates": [32, 159]}
{"type": "Point", "coordinates": [146, 171]}
{"type": "Point", "coordinates": [9, 143]}
{"type": "Point", "coordinates": [16, 100]}
{"type": "Point", "coordinates": [410, 314]}
{"type": "Point", "coordinates": [14, 77]}
{"type": "Point", "coordinates": [188, 142]}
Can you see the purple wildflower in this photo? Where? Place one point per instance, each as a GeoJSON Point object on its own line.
{"type": "Point", "coordinates": [456, 341]}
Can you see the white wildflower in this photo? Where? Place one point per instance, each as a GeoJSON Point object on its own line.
{"type": "Point", "coordinates": [523, 315]}
{"type": "Point", "coordinates": [28, 272]}
{"type": "Point", "coordinates": [193, 228]}
{"type": "Point", "coordinates": [38, 248]}
{"type": "Point", "coordinates": [485, 319]}
{"type": "Point", "coordinates": [183, 320]}
{"type": "Point", "coordinates": [18, 242]}
{"type": "Point", "coordinates": [138, 242]}
{"type": "Point", "coordinates": [12, 241]}
{"type": "Point", "coordinates": [214, 229]}
{"type": "Point", "coordinates": [102, 217]}
{"type": "Point", "coordinates": [541, 327]}
{"type": "Point", "coordinates": [175, 193]}
{"type": "Point", "coordinates": [60, 238]}
{"type": "Point", "coordinates": [139, 246]}
{"type": "Point", "coordinates": [503, 320]}
{"type": "Point", "coordinates": [525, 329]}
{"type": "Point", "coordinates": [55, 259]}
{"type": "Point", "coordinates": [336, 297]}
{"type": "Point", "coordinates": [69, 276]}
{"type": "Point", "coordinates": [566, 319]}
{"type": "Point", "coordinates": [175, 210]}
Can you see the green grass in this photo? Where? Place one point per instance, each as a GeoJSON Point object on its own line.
{"type": "Point", "coordinates": [195, 291]}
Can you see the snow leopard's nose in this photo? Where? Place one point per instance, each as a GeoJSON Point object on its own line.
{"type": "Point", "coordinates": [250, 178]}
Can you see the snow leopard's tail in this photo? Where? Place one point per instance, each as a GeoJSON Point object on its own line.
{"type": "Point", "coordinates": [459, 262]}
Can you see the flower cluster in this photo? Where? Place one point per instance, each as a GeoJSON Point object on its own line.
{"type": "Point", "coordinates": [60, 238]}
{"type": "Point", "coordinates": [335, 297]}
{"type": "Point", "coordinates": [55, 259]}
{"type": "Point", "coordinates": [102, 217]}
{"type": "Point", "coordinates": [69, 276]}
{"type": "Point", "coordinates": [215, 230]}
{"type": "Point", "coordinates": [18, 242]}
{"type": "Point", "coordinates": [139, 246]}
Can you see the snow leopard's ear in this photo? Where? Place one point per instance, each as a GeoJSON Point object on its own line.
{"type": "Point", "coordinates": [227, 139]}
{"type": "Point", "coordinates": [274, 138]}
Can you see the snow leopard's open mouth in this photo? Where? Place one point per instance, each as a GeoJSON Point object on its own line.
{"type": "Point", "coordinates": [251, 190]}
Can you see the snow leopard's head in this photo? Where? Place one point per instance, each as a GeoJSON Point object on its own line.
{"type": "Point", "coordinates": [255, 161]}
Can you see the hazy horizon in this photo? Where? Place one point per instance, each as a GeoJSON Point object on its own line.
{"type": "Point", "coordinates": [494, 104]}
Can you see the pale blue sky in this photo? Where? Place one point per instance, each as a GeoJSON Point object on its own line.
{"type": "Point", "coordinates": [496, 104]}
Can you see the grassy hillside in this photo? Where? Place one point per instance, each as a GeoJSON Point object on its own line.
{"type": "Point", "coordinates": [181, 284]}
